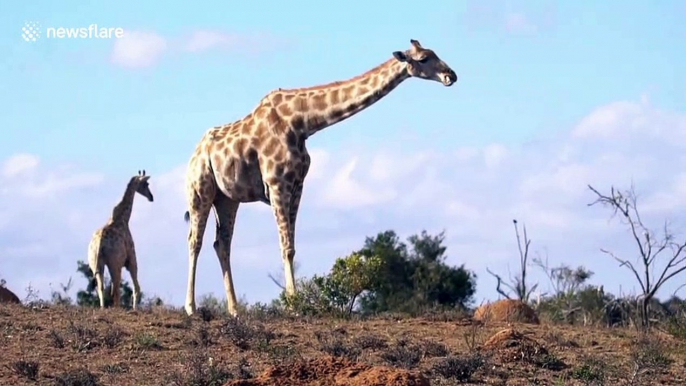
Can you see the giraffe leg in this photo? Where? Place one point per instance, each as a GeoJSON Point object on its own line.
{"type": "Point", "coordinates": [115, 274]}
{"type": "Point", "coordinates": [132, 267]}
{"type": "Point", "coordinates": [100, 286]}
{"type": "Point", "coordinates": [225, 210]}
{"type": "Point", "coordinates": [293, 215]}
{"type": "Point", "coordinates": [281, 205]}
{"type": "Point", "coordinates": [198, 221]}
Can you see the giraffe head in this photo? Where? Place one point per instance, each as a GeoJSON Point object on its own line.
{"type": "Point", "coordinates": [143, 188]}
{"type": "Point", "coordinates": [425, 64]}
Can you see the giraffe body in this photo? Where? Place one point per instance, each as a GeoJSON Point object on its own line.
{"type": "Point", "coordinates": [112, 245]}
{"type": "Point", "coordinates": [263, 156]}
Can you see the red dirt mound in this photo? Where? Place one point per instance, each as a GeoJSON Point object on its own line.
{"type": "Point", "coordinates": [333, 372]}
{"type": "Point", "coordinates": [511, 346]}
{"type": "Point", "coordinates": [506, 311]}
{"type": "Point", "coordinates": [7, 296]}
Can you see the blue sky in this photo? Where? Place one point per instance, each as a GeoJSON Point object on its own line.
{"type": "Point", "coordinates": [95, 111]}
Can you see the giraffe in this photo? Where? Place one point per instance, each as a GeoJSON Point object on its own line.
{"type": "Point", "coordinates": [112, 245]}
{"type": "Point", "coordinates": [262, 157]}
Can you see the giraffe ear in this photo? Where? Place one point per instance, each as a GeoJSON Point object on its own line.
{"type": "Point", "coordinates": [400, 56]}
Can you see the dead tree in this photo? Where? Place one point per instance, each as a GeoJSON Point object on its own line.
{"type": "Point", "coordinates": [651, 276]}
{"type": "Point", "coordinates": [518, 283]}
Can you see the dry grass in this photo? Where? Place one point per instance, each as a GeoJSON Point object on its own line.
{"type": "Point", "coordinates": [75, 346]}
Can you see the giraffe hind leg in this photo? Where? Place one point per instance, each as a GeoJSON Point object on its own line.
{"type": "Point", "coordinates": [198, 222]}
{"type": "Point", "coordinates": [225, 211]}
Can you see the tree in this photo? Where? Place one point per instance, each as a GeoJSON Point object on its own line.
{"type": "Point", "coordinates": [89, 296]}
{"type": "Point", "coordinates": [338, 291]}
{"type": "Point", "coordinates": [414, 279]}
{"type": "Point", "coordinates": [650, 247]}
{"type": "Point", "coordinates": [567, 284]}
{"type": "Point", "coordinates": [518, 283]}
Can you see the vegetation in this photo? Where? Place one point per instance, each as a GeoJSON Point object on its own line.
{"type": "Point", "coordinates": [387, 276]}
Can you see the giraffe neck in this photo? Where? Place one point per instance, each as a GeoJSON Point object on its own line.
{"type": "Point", "coordinates": [122, 211]}
{"type": "Point", "coordinates": [323, 106]}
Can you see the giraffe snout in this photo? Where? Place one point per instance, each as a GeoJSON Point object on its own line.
{"type": "Point", "coordinates": [449, 77]}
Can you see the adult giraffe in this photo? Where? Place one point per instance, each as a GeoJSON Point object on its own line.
{"type": "Point", "coordinates": [262, 157]}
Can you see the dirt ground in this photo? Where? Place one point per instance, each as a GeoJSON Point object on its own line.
{"type": "Point", "coordinates": [75, 346]}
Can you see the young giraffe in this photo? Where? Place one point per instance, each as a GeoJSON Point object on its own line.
{"type": "Point", "coordinates": [262, 157]}
{"type": "Point", "coordinates": [112, 245]}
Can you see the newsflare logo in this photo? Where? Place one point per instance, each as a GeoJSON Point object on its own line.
{"type": "Point", "coordinates": [31, 32]}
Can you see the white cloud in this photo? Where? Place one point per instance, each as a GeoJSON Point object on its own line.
{"type": "Point", "coordinates": [473, 193]}
{"type": "Point", "coordinates": [19, 164]}
{"type": "Point", "coordinates": [138, 49]}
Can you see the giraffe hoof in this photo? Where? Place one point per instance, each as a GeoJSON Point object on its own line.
{"type": "Point", "coordinates": [190, 309]}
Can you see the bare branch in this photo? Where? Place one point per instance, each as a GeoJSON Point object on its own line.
{"type": "Point", "coordinates": [273, 279]}
{"type": "Point", "coordinates": [650, 248]}
{"type": "Point", "coordinates": [500, 283]}
{"type": "Point", "coordinates": [517, 284]}
{"type": "Point", "coordinates": [628, 264]}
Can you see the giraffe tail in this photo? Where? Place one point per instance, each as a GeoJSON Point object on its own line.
{"type": "Point", "coordinates": [187, 216]}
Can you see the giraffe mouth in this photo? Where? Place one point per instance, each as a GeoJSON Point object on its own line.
{"type": "Point", "coordinates": [448, 80]}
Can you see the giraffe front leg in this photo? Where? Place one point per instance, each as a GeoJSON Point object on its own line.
{"type": "Point", "coordinates": [281, 202]}
{"type": "Point", "coordinates": [132, 267]}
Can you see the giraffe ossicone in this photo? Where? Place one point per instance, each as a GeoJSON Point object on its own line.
{"type": "Point", "coordinates": [262, 157]}
{"type": "Point", "coordinates": [112, 245]}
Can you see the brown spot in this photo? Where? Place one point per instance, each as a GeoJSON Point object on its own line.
{"type": "Point", "coordinates": [285, 110]}
{"type": "Point", "coordinates": [289, 97]}
{"type": "Point", "coordinates": [273, 117]}
{"type": "Point", "coordinates": [277, 98]}
{"type": "Point", "coordinates": [255, 142]}
{"type": "Point", "coordinates": [260, 129]}
{"type": "Point", "coordinates": [261, 112]}
{"type": "Point", "coordinates": [334, 96]}
{"type": "Point", "coordinates": [247, 125]}
{"type": "Point", "coordinates": [280, 155]}
{"type": "Point", "coordinates": [374, 82]}
{"type": "Point", "coordinates": [240, 145]}
{"type": "Point", "coordinates": [348, 92]}
{"type": "Point", "coordinates": [319, 102]}
{"type": "Point", "coordinates": [364, 81]}
{"type": "Point", "coordinates": [362, 91]}
{"type": "Point", "coordinates": [270, 147]}
{"type": "Point", "coordinates": [300, 104]}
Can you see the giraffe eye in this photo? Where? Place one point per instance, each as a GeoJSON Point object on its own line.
{"type": "Point", "coordinates": [423, 60]}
